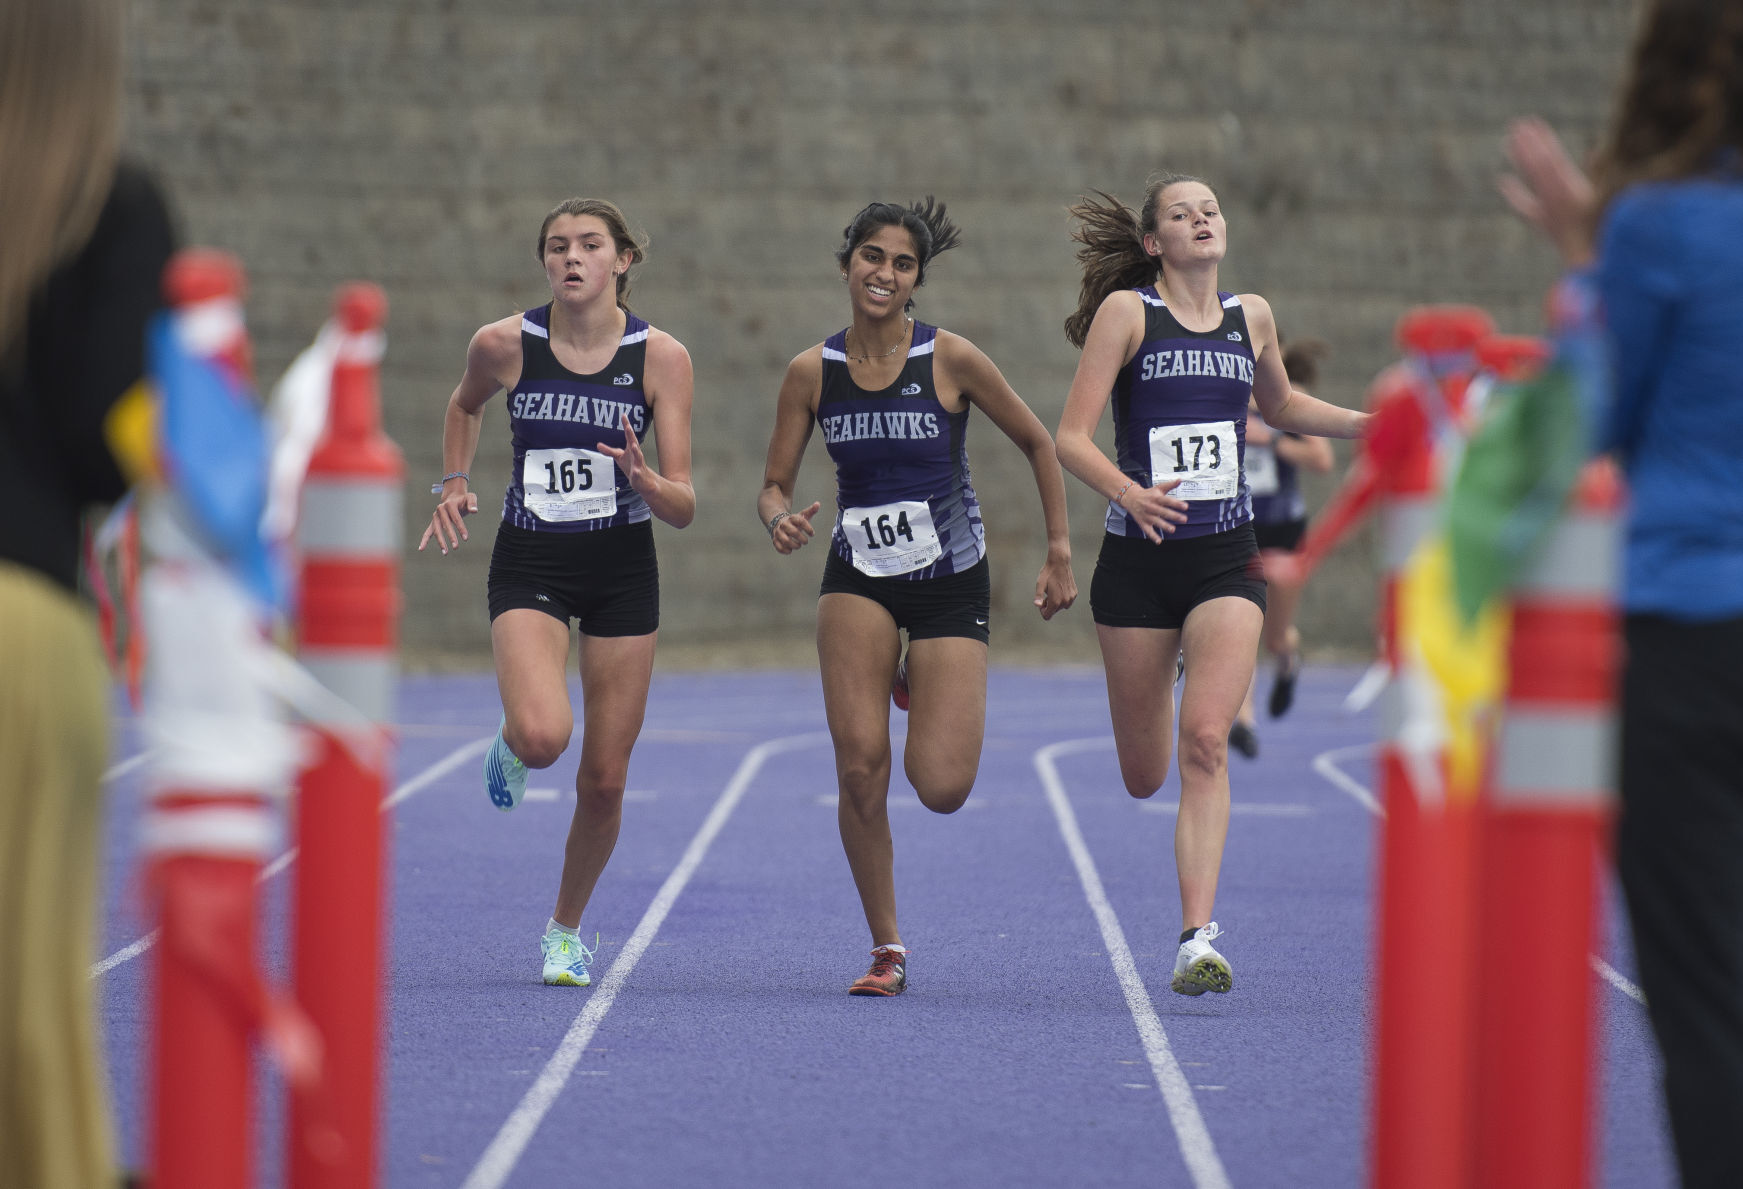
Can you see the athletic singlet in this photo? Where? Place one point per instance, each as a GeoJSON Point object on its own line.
{"type": "Point", "coordinates": [905, 505]}
{"type": "Point", "coordinates": [1275, 484]}
{"type": "Point", "coordinates": [1180, 412]}
{"type": "Point", "coordinates": [561, 482]}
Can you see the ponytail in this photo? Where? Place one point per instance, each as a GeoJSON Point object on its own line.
{"type": "Point", "coordinates": [1111, 251]}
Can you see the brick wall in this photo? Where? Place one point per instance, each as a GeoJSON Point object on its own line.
{"type": "Point", "coordinates": [1354, 144]}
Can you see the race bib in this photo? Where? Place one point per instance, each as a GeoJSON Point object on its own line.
{"type": "Point", "coordinates": [1201, 455]}
{"type": "Point", "coordinates": [1262, 478]}
{"type": "Point", "coordinates": [891, 538]}
{"type": "Point", "coordinates": [564, 485]}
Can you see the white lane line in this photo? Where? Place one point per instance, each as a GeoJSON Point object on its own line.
{"type": "Point", "coordinates": [125, 766]}
{"type": "Point", "coordinates": [124, 954]}
{"type": "Point", "coordinates": [1618, 980]}
{"type": "Point", "coordinates": [517, 1130]}
{"type": "Point", "coordinates": [1326, 765]}
{"type": "Point", "coordinates": [410, 788]}
{"type": "Point", "coordinates": [1196, 1148]}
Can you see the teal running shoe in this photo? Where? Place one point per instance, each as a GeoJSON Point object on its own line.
{"type": "Point", "coordinates": [566, 959]}
{"type": "Point", "coordinates": [505, 777]}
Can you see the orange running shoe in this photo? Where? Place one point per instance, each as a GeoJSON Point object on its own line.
{"type": "Point", "coordinates": [888, 974]}
{"type": "Point", "coordinates": [899, 687]}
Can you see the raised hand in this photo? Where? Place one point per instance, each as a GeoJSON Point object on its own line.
{"type": "Point", "coordinates": [1549, 191]}
{"type": "Point", "coordinates": [630, 460]}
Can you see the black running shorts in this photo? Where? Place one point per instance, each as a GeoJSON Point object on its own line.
{"type": "Point", "coordinates": [607, 579]}
{"type": "Point", "coordinates": [1280, 534]}
{"type": "Point", "coordinates": [1139, 584]}
{"type": "Point", "coordinates": [951, 605]}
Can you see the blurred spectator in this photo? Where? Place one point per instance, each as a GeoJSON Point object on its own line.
{"type": "Point", "coordinates": [1660, 234]}
{"type": "Point", "coordinates": [81, 257]}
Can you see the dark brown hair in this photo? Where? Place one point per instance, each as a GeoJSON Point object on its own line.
{"type": "Point", "coordinates": [1110, 236]}
{"type": "Point", "coordinates": [628, 242]}
{"type": "Point", "coordinates": [925, 221]}
{"type": "Point", "coordinates": [1682, 104]}
{"type": "Point", "coordinates": [1301, 359]}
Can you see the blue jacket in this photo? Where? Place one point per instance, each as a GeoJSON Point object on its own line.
{"type": "Point", "coordinates": [1670, 274]}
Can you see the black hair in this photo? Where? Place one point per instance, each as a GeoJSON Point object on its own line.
{"type": "Point", "coordinates": [925, 221]}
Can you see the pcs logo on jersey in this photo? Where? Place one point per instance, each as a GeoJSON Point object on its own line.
{"type": "Point", "coordinates": [623, 381]}
{"type": "Point", "coordinates": [911, 390]}
{"type": "Point", "coordinates": [1234, 336]}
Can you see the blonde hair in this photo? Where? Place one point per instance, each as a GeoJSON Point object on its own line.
{"type": "Point", "coordinates": [60, 126]}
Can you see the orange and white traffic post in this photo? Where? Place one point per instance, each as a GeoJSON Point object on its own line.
{"type": "Point", "coordinates": [221, 758]}
{"type": "Point", "coordinates": [1544, 825]}
{"type": "Point", "coordinates": [1423, 926]}
{"type": "Point", "coordinates": [348, 607]}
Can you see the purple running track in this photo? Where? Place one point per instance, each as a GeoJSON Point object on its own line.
{"type": "Point", "coordinates": [717, 1044]}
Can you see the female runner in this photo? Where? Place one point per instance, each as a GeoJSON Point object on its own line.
{"type": "Point", "coordinates": [1179, 565]}
{"type": "Point", "coordinates": [585, 379]}
{"type": "Point", "coordinates": [906, 551]}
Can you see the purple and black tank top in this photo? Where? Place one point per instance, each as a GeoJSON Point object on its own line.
{"type": "Point", "coordinates": [905, 506]}
{"type": "Point", "coordinates": [561, 482]}
{"type": "Point", "coordinates": [1180, 412]}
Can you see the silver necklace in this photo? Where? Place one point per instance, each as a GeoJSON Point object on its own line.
{"type": "Point", "coordinates": [867, 358]}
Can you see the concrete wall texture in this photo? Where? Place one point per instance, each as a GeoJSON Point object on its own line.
{"type": "Point", "coordinates": [418, 144]}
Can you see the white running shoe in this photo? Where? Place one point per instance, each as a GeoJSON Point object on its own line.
{"type": "Point", "coordinates": [566, 959]}
{"type": "Point", "coordinates": [1198, 967]}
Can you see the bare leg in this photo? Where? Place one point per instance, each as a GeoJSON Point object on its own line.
{"type": "Point", "coordinates": [1282, 596]}
{"type": "Point", "coordinates": [1221, 638]}
{"type": "Point", "coordinates": [532, 651]}
{"type": "Point", "coordinates": [615, 674]}
{"type": "Point", "coordinates": [946, 719]}
{"type": "Point", "coordinates": [858, 646]}
{"type": "Point", "coordinates": [1140, 672]}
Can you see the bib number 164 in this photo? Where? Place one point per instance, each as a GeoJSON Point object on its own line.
{"type": "Point", "coordinates": [884, 533]}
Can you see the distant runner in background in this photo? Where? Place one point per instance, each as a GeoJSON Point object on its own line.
{"type": "Point", "coordinates": [1274, 462]}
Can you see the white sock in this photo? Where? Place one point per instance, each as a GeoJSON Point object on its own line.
{"type": "Point", "coordinates": [892, 949]}
{"type": "Point", "coordinates": [554, 927]}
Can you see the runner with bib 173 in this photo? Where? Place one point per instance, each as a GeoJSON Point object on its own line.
{"type": "Point", "coordinates": [1179, 566]}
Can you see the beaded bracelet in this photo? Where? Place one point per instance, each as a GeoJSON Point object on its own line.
{"type": "Point", "coordinates": [774, 520]}
{"type": "Point", "coordinates": [1121, 493]}
{"type": "Point", "coordinates": [436, 488]}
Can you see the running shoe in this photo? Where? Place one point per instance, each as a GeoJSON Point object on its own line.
{"type": "Point", "coordinates": [888, 974]}
{"type": "Point", "coordinates": [566, 959]}
{"type": "Point", "coordinates": [1283, 685]}
{"type": "Point", "coordinates": [899, 687]}
{"type": "Point", "coordinates": [1244, 739]}
{"type": "Point", "coordinates": [505, 777]}
{"type": "Point", "coordinates": [1198, 967]}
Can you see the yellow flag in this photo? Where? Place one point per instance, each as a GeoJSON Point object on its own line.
{"type": "Point", "coordinates": [1465, 666]}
